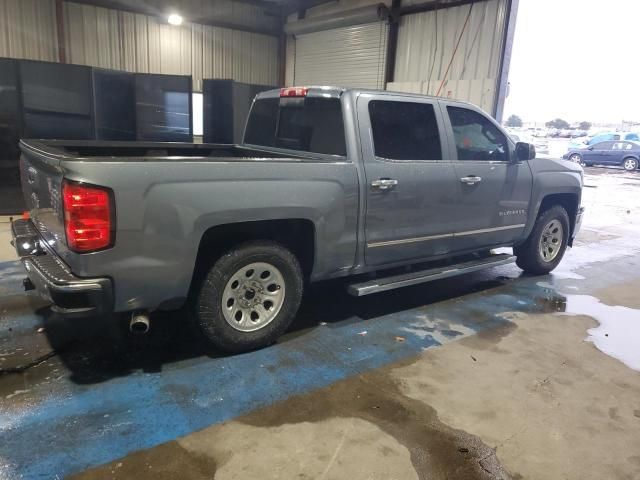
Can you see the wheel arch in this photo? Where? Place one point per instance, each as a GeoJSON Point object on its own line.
{"type": "Point", "coordinates": [568, 201]}
{"type": "Point", "coordinates": [298, 235]}
{"type": "Point", "coordinates": [635, 157]}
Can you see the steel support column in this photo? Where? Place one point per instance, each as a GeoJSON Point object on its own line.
{"type": "Point", "coordinates": [505, 60]}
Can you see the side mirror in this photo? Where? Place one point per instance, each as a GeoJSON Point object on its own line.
{"type": "Point", "coordinates": [590, 147]}
{"type": "Point", "coordinates": [525, 151]}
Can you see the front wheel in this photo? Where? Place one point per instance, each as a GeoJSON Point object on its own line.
{"type": "Point", "coordinates": [577, 158]}
{"type": "Point", "coordinates": [630, 164]}
{"type": "Point", "coordinates": [545, 247]}
{"type": "Point", "coordinates": [249, 296]}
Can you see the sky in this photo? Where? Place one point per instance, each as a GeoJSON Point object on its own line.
{"type": "Point", "coordinates": [577, 60]}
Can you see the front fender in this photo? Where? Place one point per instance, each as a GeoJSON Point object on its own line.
{"type": "Point", "coordinates": [553, 177]}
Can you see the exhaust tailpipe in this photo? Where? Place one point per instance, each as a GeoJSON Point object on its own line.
{"type": "Point", "coordinates": [139, 323]}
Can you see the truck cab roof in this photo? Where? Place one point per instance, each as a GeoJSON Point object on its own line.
{"type": "Point", "coordinates": [332, 91]}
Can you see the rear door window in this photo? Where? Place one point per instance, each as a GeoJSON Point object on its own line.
{"type": "Point", "coordinates": [261, 125]}
{"type": "Point", "coordinates": [405, 130]}
{"type": "Point", "coordinates": [308, 124]}
{"type": "Point", "coordinates": [622, 146]}
{"type": "Point", "coordinates": [476, 137]}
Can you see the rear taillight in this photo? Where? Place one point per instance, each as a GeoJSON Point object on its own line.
{"type": "Point", "coordinates": [88, 217]}
{"type": "Point", "coordinates": [294, 91]}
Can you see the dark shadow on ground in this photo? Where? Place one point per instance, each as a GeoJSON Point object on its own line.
{"type": "Point", "coordinates": [98, 349]}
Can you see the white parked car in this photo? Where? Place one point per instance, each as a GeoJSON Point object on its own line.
{"type": "Point", "coordinates": [538, 132]}
{"type": "Point", "coordinates": [541, 144]}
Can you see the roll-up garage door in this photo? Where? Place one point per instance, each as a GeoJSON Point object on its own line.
{"type": "Point", "coordinates": [351, 56]}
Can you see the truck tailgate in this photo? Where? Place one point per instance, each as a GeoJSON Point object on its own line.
{"type": "Point", "coordinates": [41, 179]}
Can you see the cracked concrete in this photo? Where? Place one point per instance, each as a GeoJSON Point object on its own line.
{"type": "Point", "coordinates": [549, 403]}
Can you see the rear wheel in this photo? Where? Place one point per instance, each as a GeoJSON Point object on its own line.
{"type": "Point", "coordinates": [630, 164]}
{"type": "Point", "coordinates": [545, 247]}
{"type": "Point", "coordinates": [249, 296]}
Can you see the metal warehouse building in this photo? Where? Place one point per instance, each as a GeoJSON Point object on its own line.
{"type": "Point", "coordinates": [457, 48]}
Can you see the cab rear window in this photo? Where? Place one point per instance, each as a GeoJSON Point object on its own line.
{"type": "Point", "coordinates": [311, 125]}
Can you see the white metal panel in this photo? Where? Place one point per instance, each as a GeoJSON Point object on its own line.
{"type": "Point", "coordinates": [28, 29]}
{"type": "Point", "coordinates": [245, 57]}
{"type": "Point", "coordinates": [349, 56]}
{"type": "Point", "coordinates": [426, 44]}
{"type": "Point", "coordinates": [228, 11]}
{"type": "Point", "coordinates": [290, 60]}
{"type": "Point", "coordinates": [479, 91]}
{"type": "Point", "coordinates": [140, 43]}
{"type": "Point", "coordinates": [92, 36]}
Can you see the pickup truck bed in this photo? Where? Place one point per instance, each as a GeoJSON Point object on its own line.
{"type": "Point", "coordinates": [164, 209]}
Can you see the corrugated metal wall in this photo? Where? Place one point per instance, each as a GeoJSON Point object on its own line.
{"type": "Point", "coordinates": [139, 43]}
{"type": "Point", "coordinates": [28, 29]}
{"type": "Point", "coordinates": [307, 64]}
{"type": "Point", "coordinates": [348, 56]}
{"type": "Point", "coordinates": [290, 60]}
{"type": "Point", "coordinates": [426, 42]}
{"type": "Point", "coordinates": [242, 13]}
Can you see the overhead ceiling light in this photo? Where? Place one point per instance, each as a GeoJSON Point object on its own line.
{"type": "Point", "coordinates": [175, 19]}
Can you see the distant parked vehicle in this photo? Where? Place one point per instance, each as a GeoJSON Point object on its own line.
{"type": "Point", "coordinates": [625, 154]}
{"type": "Point", "coordinates": [582, 142]}
{"type": "Point", "coordinates": [541, 144]}
{"type": "Point", "coordinates": [565, 133]}
{"type": "Point", "coordinates": [538, 132]}
{"type": "Point", "coordinates": [633, 137]}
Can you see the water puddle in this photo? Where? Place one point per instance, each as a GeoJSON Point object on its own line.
{"type": "Point", "coordinates": [618, 334]}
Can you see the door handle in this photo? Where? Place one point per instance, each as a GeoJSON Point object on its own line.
{"type": "Point", "coordinates": [384, 183]}
{"type": "Point", "coordinates": [471, 179]}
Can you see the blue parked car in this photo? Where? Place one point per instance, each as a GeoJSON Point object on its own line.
{"type": "Point", "coordinates": [623, 153]}
{"type": "Point", "coordinates": [603, 137]}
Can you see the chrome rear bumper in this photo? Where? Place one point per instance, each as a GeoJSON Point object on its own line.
{"type": "Point", "coordinates": [51, 277]}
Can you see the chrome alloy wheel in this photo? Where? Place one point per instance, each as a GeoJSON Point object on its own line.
{"type": "Point", "coordinates": [630, 164]}
{"type": "Point", "coordinates": [253, 296]}
{"type": "Point", "coordinates": [551, 240]}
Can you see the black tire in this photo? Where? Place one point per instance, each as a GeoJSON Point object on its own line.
{"type": "Point", "coordinates": [208, 312]}
{"type": "Point", "coordinates": [632, 161]}
{"type": "Point", "coordinates": [528, 254]}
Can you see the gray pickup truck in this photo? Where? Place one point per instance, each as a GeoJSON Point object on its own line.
{"type": "Point", "coordinates": [390, 189]}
